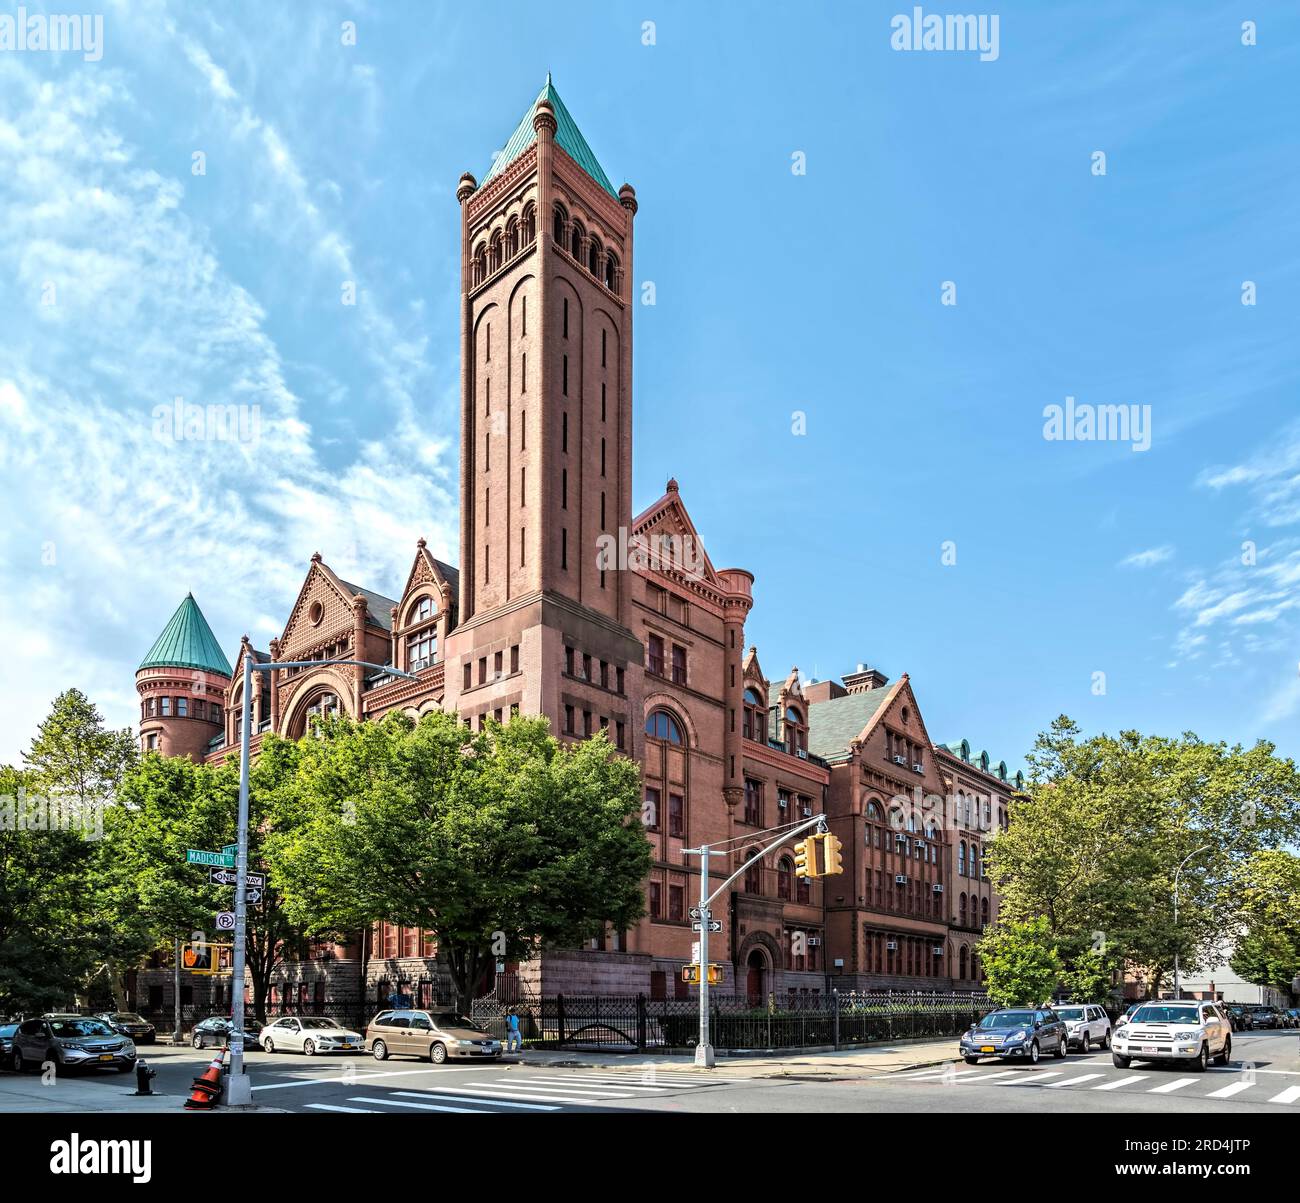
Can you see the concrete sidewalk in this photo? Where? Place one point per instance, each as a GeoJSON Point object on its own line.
{"type": "Point", "coordinates": [845, 1063]}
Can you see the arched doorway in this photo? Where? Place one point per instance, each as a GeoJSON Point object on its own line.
{"type": "Point", "coordinates": [756, 976]}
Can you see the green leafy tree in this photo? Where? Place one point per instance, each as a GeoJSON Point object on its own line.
{"type": "Point", "coordinates": [1097, 836]}
{"type": "Point", "coordinates": [498, 841]}
{"type": "Point", "coordinates": [1021, 964]}
{"type": "Point", "coordinates": [1268, 952]}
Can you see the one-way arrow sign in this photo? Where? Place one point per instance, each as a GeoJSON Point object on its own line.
{"type": "Point", "coordinates": [253, 895]}
{"type": "Point", "coordinates": [228, 877]}
{"type": "Point", "coordinates": [695, 914]}
{"type": "Point", "coordinates": [714, 925]}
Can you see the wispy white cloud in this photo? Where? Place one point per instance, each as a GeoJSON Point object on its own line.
{"type": "Point", "coordinates": [1271, 475]}
{"type": "Point", "coordinates": [1145, 559]}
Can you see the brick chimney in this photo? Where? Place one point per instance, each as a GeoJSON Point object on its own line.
{"type": "Point", "coordinates": [865, 678]}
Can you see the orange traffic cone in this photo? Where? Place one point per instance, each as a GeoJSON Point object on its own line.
{"type": "Point", "coordinates": [206, 1089]}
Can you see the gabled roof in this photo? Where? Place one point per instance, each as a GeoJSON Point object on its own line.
{"type": "Point", "coordinates": [378, 607]}
{"type": "Point", "coordinates": [837, 722]}
{"type": "Point", "coordinates": [187, 642]}
{"type": "Point", "coordinates": [567, 135]}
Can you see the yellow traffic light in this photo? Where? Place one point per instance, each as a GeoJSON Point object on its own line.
{"type": "Point", "coordinates": [691, 974]}
{"type": "Point", "coordinates": [831, 858]}
{"type": "Point", "coordinates": [715, 975]}
{"type": "Point", "coordinates": [805, 857]}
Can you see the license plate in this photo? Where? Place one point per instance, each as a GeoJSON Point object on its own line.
{"type": "Point", "coordinates": [1149, 1048]}
{"type": "Point", "coordinates": [988, 1048]}
{"type": "Point", "coordinates": [105, 1056]}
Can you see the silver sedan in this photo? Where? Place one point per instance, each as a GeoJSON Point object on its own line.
{"type": "Point", "coordinates": [310, 1035]}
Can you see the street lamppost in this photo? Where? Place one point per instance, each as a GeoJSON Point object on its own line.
{"type": "Point", "coordinates": [1178, 985]}
{"type": "Point", "coordinates": [239, 1090]}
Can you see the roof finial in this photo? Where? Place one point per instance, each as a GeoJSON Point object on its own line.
{"type": "Point", "coordinates": [548, 79]}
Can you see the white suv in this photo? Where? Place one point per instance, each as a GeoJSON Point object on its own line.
{"type": "Point", "coordinates": [1190, 1032]}
{"type": "Point", "coordinates": [1087, 1024]}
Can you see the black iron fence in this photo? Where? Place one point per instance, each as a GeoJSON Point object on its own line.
{"type": "Point", "coordinates": [636, 1023]}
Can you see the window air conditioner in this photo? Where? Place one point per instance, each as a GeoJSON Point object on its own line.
{"type": "Point", "coordinates": [938, 950]}
{"type": "Point", "coordinates": [807, 812]}
{"type": "Point", "coordinates": [813, 941]}
{"type": "Point", "coordinates": [900, 879]}
{"type": "Point", "coordinates": [919, 768]}
{"type": "Point", "coordinates": [938, 887]}
{"type": "Point", "coordinates": [802, 753]}
{"type": "Point", "coordinates": [900, 759]}
{"type": "Point", "coordinates": [891, 945]}
{"type": "Point", "coordinates": [782, 803]}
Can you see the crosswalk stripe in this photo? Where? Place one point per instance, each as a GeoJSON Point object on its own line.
{"type": "Point", "coordinates": [659, 1076]}
{"type": "Point", "coordinates": [567, 1082]}
{"type": "Point", "coordinates": [351, 1110]}
{"type": "Point", "coordinates": [1122, 1082]}
{"type": "Point", "coordinates": [1228, 1091]}
{"type": "Point", "coordinates": [1289, 1095]}
{"type": "Point", "coordinates": [1073, 1081]}
{"type": "Point", "coordinates": [1034, 1079]}
{"type": "Point", "coordinates": [563, 1088]}
{"type": "Point", "coordinates": [456, 1098]}
{"type": "Point", "coordinates": [526, 1096]}
{"type": "Point", "coordinates": [1170, 1087]}
{"type": "Point", "coordinates": [1006, 1073]}
{"type": "Point", "coordinates": [420, 1106]}
{"type": "Point", "coordinates": [943, 1073]}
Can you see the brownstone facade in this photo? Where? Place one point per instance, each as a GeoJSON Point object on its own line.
{"type": "Point", "coordinates": [567, 606]}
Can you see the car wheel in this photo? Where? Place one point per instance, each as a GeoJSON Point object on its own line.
{"type": "Point", "coordinates": [438, 1053]}
{"type": "Point", "coordinates": [1120, 1062]}
{"type": "Point", "coordinates": [1105, 1039]}
{"type": "Point", "coordinates": [1062, 1047]}
{"type": "Point", "coordinates": [380, 1050]}
{"type": "Point", "coordinates": [971, 1060]}
{"type": "Point", "coordinates": [268, 1045]}
{"type": "Point", "coordinates": [196, 1041]}
{"type": "Point", "coordinates": [17, 1061]}
{"type": "Point", "coordinates": [1202, 1059]}
{"type": "Point", "coordinates": [1225, 1057]}
{"type": "Point", "coordinates": [1085, 1045]}
{"type": "Point", "coordinates": [1034, 1053]}
{"type": "Point", "coordinates": [309, 1047]}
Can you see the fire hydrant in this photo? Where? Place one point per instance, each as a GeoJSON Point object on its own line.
{"type": "Point", "coordinates": [143, 1076]}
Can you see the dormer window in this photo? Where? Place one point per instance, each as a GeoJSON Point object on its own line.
{"type": "Point", "coordinates": [755, 720]}
{"type": "Point", "coordinates": [421, 649]}
{"type": "Point", "coordinates": [796, 733]}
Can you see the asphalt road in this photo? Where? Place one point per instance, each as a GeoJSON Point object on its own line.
{"type": "Point", "coordinates": [1264, 1077]}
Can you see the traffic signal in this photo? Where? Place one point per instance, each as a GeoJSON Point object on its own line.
{"type": "Point", "coordinates": [715, 975]}
{"type": "Point", "coordinates": [196, 957]}
{"type": "Point", "coordinates": [805, 857]}
{"type": "Point", "coordinates": [691, 974]}
{"type": "Point", "coordinates": [832, 860]}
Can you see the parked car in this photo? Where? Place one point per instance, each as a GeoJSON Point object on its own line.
{"type": "Point", "coordinates": [128, 1023]}
{"type": "Point", "coordinates": [436, 1035]}
{"type": "Point", "coordinates": [1293, 1017]}
{"type": "Point", "coordinates": [1016, 1034]}
{"type": "Point", "coordinates": [7, 1031]}
{"type": "Point", "coordinates": [1265, 1017]}
{"type": "Point", "coordinates": [1087, 1024]}
{"type": "Point", "coordinates": [311, 1035]}
{"type": "Point", "coordinates": [215, 1031]}
{"type": "Point", "coordinates": [1190, 1032]}
{"type": "Point", "coordinates": [70, 1042]}
{"type": "Point", "coordinates": [1239, 1017]}
{"type": "Point", "coordinates": [1128, 1014]}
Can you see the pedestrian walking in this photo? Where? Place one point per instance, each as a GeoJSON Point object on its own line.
{"type": "Point", "coordinates": [514, 1041]}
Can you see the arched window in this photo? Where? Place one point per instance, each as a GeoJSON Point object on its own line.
{"type": "Point", "coordinates": [784, 874]}
{"type": "Point", "coordinates": [873, 812]}
{"type": "Point", "coordinates": [961, 961]}
{"type": "Point", "coordinates": [576, 236]}
{"type": "Point", "coordinates": [495, 258]}
{"type": "Point", "coordinates": [480, 264]}
{"type": "Point", "coordinates": [663, 725]}
{"type": "Point", "coordinates": [961, 859]}
{"type": "Point", "coordinates": [611, 271]}
{"type": "Point", "coordinates": [755, 721]}
{"type": "Point", "coordinates": [975, 971]}
{"type": "Point", "coordinates": [512, 239]}
{"type": "Point", "coordinates": [561, 221]}
{"type": "Point", "coordinates": [530, 225]}
{"type": "Point", "coordinates": [593, 258]}
{"type": "Point", "coordinates": [753, 875]}
{"type": "Point", "coordinates": [796, 733]}
{"type": "Point", "coordinates": [961, 910]}
{"type": "Point", "coordinates": [984, 912]}
{"type": "Point", "coordinates": [803, 890]}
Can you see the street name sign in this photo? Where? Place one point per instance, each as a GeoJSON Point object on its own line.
{"type": "Point", "coordinates": [193, 856]}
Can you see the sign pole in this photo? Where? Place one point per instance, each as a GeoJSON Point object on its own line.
{"type": "Point", "coordinates": [704, 1050]}
{"type": "Point", "coordinates": [239, 1089]}
{"type": "Point", "coordinates": [176, 990]}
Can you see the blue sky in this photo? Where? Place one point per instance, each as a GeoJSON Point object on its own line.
{"type": "Point", "coordinates": [126, 280]}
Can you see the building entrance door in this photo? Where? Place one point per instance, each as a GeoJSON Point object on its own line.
{"type": "Point", "coordinates": [756, 977]}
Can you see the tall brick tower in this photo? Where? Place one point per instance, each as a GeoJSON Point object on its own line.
{"type": "Point", "coordinates": [546, 433]}
{"type": "Point", "coordinates": [182, 683]}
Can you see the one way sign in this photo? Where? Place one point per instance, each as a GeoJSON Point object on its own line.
{"type": "Point", "coordinates": [228, 877]}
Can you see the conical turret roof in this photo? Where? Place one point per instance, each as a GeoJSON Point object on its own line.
{"type": "Point", "coordinates": [187, 642]}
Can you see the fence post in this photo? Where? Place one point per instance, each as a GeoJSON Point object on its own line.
{"type": "Point", "coordinates": [641, 1039]}
{"type": "Point", "coordinates": [835, 1019]}
{"type": "Point", "coordinates": [559, 1017]}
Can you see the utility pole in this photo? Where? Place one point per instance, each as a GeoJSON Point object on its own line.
{"type": "Point", "coordinates": [176, 991]}
{"type": "Point", "coordinates": [239, 1089]}
{"type": "Point", "coordinates": [704, 1056]}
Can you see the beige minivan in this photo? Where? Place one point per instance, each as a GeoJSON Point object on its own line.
{"type": "Point", "coordinates": [435, 1035]}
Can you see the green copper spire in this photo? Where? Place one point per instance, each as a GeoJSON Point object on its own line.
{"type": "Point", "coordinates": [187, 642]}
{"type": "Point", "coordinates": [567, 135]}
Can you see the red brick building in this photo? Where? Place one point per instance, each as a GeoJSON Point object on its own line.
{"type": "Point", "coordinates": [567, 605]}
